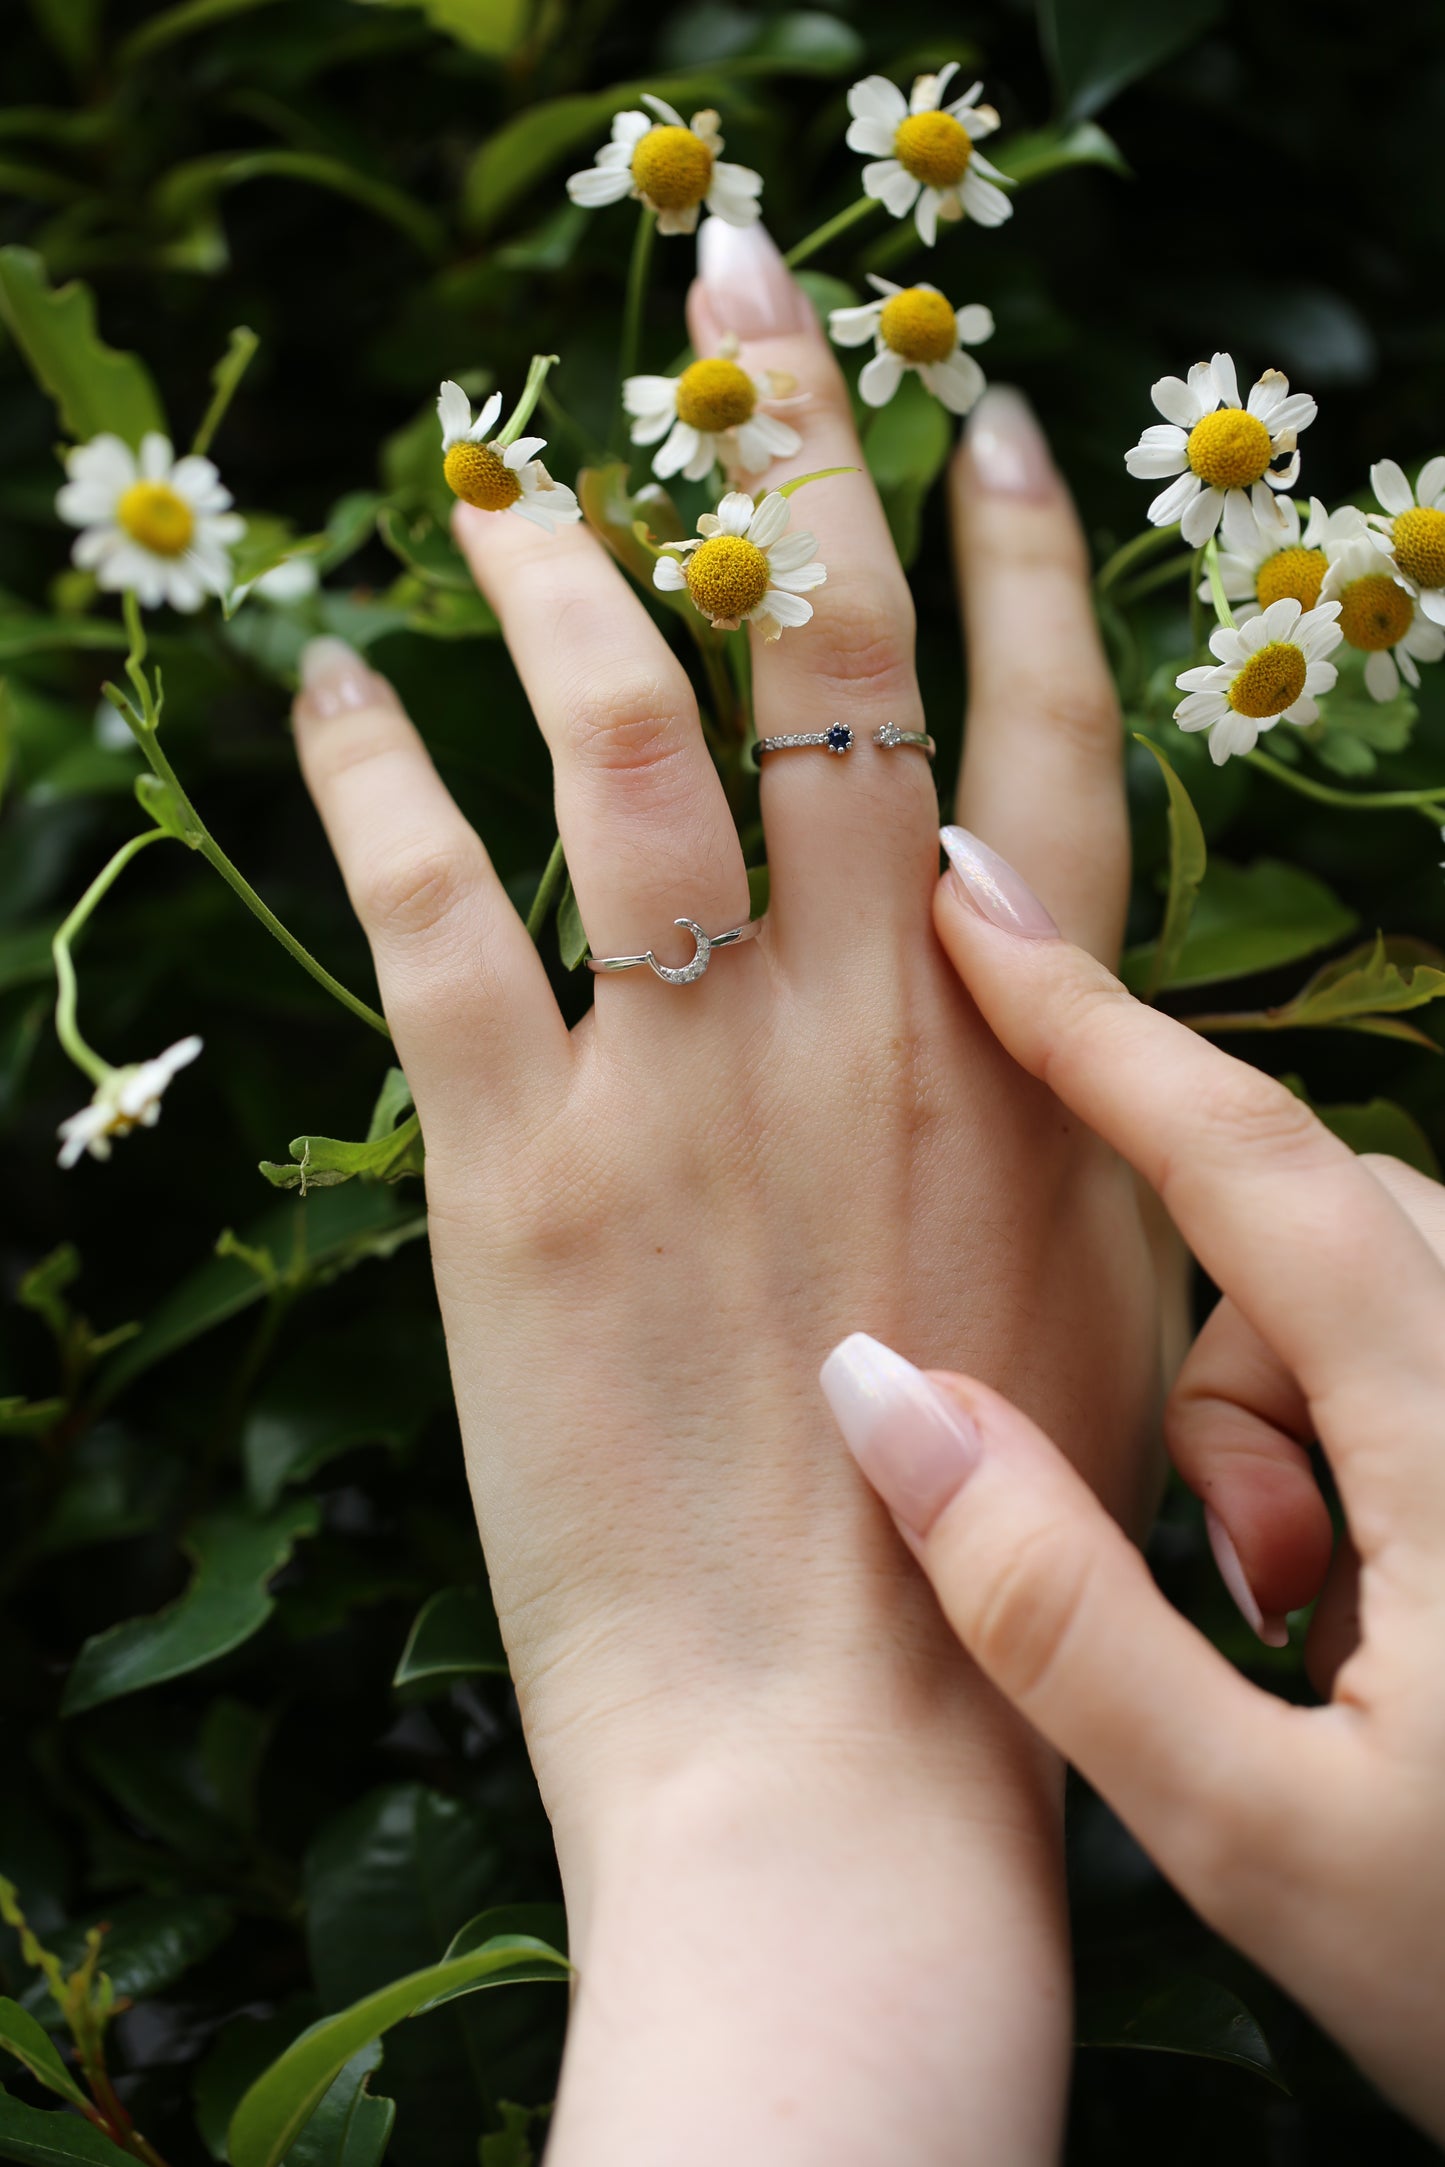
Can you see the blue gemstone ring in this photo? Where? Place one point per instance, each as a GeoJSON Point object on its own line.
{"type": "Point", "coordinates": [838, 738]}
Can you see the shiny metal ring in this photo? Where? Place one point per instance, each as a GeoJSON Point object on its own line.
{"type": "Point", "coordinates": [686, 974]}
{"type": "Point", "coordinates": [837, 738]}
{"type": "Point", "coordinates": [890, 735]}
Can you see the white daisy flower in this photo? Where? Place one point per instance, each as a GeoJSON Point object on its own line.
{"type": "Point", "coordinates": [1220, 451]}
{"type": "Point", "coordinates": [1271, 667]}
{"type": "Point", "coordinates": [1380, 617]}
{"type": "Point", "coordinates": [914, 327]}
{"type": "Point", "coordinates": [743, 567]}
{"type": "Point", "coordinates": [506, 479]}
{"type": "Point", "coordinates": [924, 153]}
{"type": "Point", "coordinates": [128, 1098]}
{"type": "Point", "coordinates": [672, 166]}
{"type": "Point", "coordinates": [1259, 564]}
{"type": "Point", "coordinates": [152, 525]}
{"type": "Point", "coordinates": [711, 415]}
{"type": "Point", "coordinates": [1411, 528]}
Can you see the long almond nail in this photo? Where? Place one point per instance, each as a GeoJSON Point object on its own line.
{"type": "Point", "coordinates": [992, 887]}
{"type": "Point", "coordinates": [749, 288]}
{"type": "Point", "coordinates": [915, 1445]}
{"type": "Point", "coordinates": [335, 679]}
{"type": "Point", "coordinates": [1008, 450]}
{"type": "Point", "coordinates": [1274, 1632]}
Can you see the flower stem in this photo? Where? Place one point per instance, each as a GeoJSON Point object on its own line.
{"type": "Point", "coordinates": [67, 1030]}
{"type": "Point", "coordinates": [521, 413]}
{"type": "Point", "coordinates": [1196, 606]}
{"type": "Point", "coordinates": [1130, 553]}
{"type": "Point", "coordinates": [549, 888]}
{"type": "Point", "coordinates": [1217, 594]}
{"type": "Point", "coordinates": [632, 308]}
{"type": "Point", "coordinates": [1355, 801]}
{"type": "Point", "coordinates": [829, 231]}
{"type": "Point", "coordinates": [226, 376]}
{"type": "Point", "coordinates": [1158, 575]}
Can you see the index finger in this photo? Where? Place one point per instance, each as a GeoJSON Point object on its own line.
{"type": "Point", "coordinates": [1319, 1257]}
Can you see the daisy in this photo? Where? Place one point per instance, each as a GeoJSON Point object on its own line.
{"type": "Point", "coordinates": [152, 525]}
{"type": "Point", "coordinates": [743, 567]}
{"type": "Point", "coordinates": [923, 152]}
{"type": "Point", "coordinates": [505, 479]}
{"type": "Point", "coordinates": [672, 166]}
{"type": "Point", "coordinates": [914, 327]}
{"type": "Point", "coordinates": [1272, 666]}
{"type": "Point", "coordinates": [1258, 564]}
{"type": "Point", "coordinates": [1381, 617]}
{"type": "Point", "coordinates": [1219, 450]}
{"type": "Point", "coordinates": [711, 416]}
{"type": "Point", "coordinates": [125, 1099]}
{"type": "Point", "coordinates": [1411, 528]}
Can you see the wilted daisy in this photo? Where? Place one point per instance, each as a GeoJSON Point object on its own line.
{"type": "Point", "coordinates": [923, 152]}
{"type": "Point", "coordinates": [1271, 667]}
{"type": "Point", "coordinates": [505, 478]}
{"type": "Point", "coordinates": [673, 166]}
{"type": "Point", "coordinates": [914, 327]}
{"type": "Point", "coordinates": [711, 415]}
{"type": "Point", "coordinates": [743, 567]}
{"type": "Point", "coordinates": [1381, 617]}
{"type": "Point", "coordinates": [152, 525]}
{"type": "Point", "coordinates": [1411, 527]}
{"type": "Point", "coordinates": [1219, 450]}
{"type": "Point", "coordinates": [126, 1099]}
{"type": "Point", "coordinates": [1260, 563]}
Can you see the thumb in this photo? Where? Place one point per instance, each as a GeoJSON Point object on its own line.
{"type": "Point", "coordinates": [1057, 1608]}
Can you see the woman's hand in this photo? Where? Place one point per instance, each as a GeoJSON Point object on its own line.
{"type": "Point", "coordinates": [810, 1859]}
{"type": "Point", "coordinates": [1311, 1837]}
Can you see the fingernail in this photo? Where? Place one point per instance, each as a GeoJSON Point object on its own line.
{"type": "Point", "coordinates": [995, 890]}
{"type": "Point", "coordinates": [749, 288]}
{"type": "Point", "coordinates": [335, 679]}
{"type": "Point", "coordinates": [1274, 1632]}
{"type": "Point", "coordinates": [1009, 450]}
{"type": "Point", "coordinates": [916, 1446]}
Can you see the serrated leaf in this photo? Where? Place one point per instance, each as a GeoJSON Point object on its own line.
{"type": "Point", "coordinates": [454, 1635]}
{"type": "Point", "coordinates": [49, 2137]}
{"type": "Point", "coordinates": [1365, 991]}
{"type": "Point", "coordinates": [95, 388]}
{"type": "Point", "coordinates": [324, 1161]}
{"type": "Point", "coordinates": [31, 2045]}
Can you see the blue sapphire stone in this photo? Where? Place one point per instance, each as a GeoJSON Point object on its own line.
{"type": "Point", "coordinates": [840, 738]}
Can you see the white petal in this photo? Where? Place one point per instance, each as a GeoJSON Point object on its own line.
{"type": "Point", "coordinates": [1232, 734]}
{"type": "Point", "coordinates": [1198, 520]}
{"type": "Point", "coordinates": [1155, 462]}
{"type": "Point", "coordinates": [486, 421]}
{"type": "Point", "coordinates": [1432, 603]}
{"type": "Point", "coordinates": [1233, 645]}
{"type": "Point", "coordinates": [703, 458]}
{"type": "Point", "coordinates": [1292, 415]}
{"type": "Point", "coordinates": [1424, 640]}
{"type": "Point", "coordinates": [1321, 677]}
{"type": "Point", "coordinates": [650, 395]}
{"type": "Point", "coordinates": [985, 204]}
{"type": "Point", "coordinates": [1266, 394]}
{"type": "Point", "coordinates": [734, 180]}
{"type": "Point", "coordinates": [599, 185]}
{"type": "Point", "coordinates": [734, 513]}
{"type": "Point", "coordinates": [1225, 379]}
{"type": "Point", "coordinates": [803, 580]}
{"type": "Point", "coordinates": [685, 221]}
{"type": "Point", "coordinates": [1201, 679]}
{"type": "Point", "coordinates": [106, 459]}
{"type": "Point", "coordinates": [1201, 710]}
{"type": "Point", "coordinates": [775, 437]}
{"type": "Point", "coordinates": [975, 323]}
{"type": "Point", "coordinates": [1203, 386]}
{"type": "Point", "coordinates": [893, 186]}
{"type": "Point", "coordinates": [522, 450]}
{"type": "Point", "coordinates": [668, 576]}
{"type": "Point", "coordinates": [156, 457]}
{"type": "Point", "coordinates": [1407, 667]}
{"type": "Point", "coordinates": [925, 218]}
{"type": "Point", "coordinates": [880, 377]}
{"type": "Point", "coordinates": [792, 551]}
{"type": "Point", "coordinates": [1303, 713]}
{"type": "Point", "coordinates": [782, 607]}
{"type": "Point", "coordinates": [769, 522]}
{"type": "Point", "coordinates": [198, 484]}
{"type": "Point", "coordinates": [1387, 479]}
{"type": "Point", "coordinates": [875, 98]}
{"type": "Point", "coordinates": [1177, 401]}
{"type": "Point", "coordinates": [1432, 482]}
{"type": "Point", "coordinates": [615, 154]}
{"type": "Point", "coordinates": [854, 326]}
{"type": "Point", "coordinates": [1281, 617]}
{"type": "Point", "coordinates": [871, 136]}
{"type": "Point", "coordinates": [667, 114]}
{"type": "Point", "coordinates": [1170, 503]}
{"type": "Point", "coordinates": [630, 127]}
{"type": "Point", "coordinates": [955, 383]}
{"type": "Point", "coordinates": [1286, 476]}
{"type": "Point", "coordinates": [82, 504]}
{"type": "Point", "coordinates": [1241, 529]}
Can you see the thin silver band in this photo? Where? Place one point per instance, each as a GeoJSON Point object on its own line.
{"type": "Point", "coordinates": [890, 735]}
{"type": "Point", "coordinates": [688, 973]}
{"type": "Point", "coordinates": [837, 738]}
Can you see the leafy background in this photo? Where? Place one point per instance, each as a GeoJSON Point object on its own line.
{"type": "Point", "coordinates": [254, 1712]}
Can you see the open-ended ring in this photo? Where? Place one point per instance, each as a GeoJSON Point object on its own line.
{"type": "Point", "coordinates": [836, 738]}
{"type": "Point", "coordinates": [890, 735]}
{"type": "Point", "coordinates": [688, 973]}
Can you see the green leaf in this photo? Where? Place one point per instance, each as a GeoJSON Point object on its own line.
{"type": "Point", "coordinates": [906, 446]}
{"type": "Point", "coordinates": [52, 2138]}
{"type": "Point", "coordinates": [546, 1923]}
{"type": "Point", "coordinates": [454, 1635]}
{"type": "Point", "coordinates": [425, 546]}
{"type": "Point", "coordinates": [279, 2104]}
{"type": "Point", "coordinates": [29, 1418]}
{"type": "Point", "coordinates": [94, 387]}
{"type": "Point", "coordinates": [150, 1942]}
{"type": "Point", "coordinates": [239, 2053]}
{"type": "Point", "coordinates": [806, 40]}
{"type": "Point", "coordinates": [1039, 153]}
{"type": "Point", "coordinates": [1364, 991]}
{"type": "Point", "coordinates": [350, 2128]}
{"type": "Point", "coordinates": [511, 2146]}
{"type": "Point", "coordinates": [633, 527]}
{"type": "Point", "coordinates": [1246, 918]}
{"type": "Point", "coordinates": [495, 27]}
{"type": "Point", "coordinates": [374, 1382]}
{"type": "Point", "coordinates": [321, 1162]}
{"type": "Point", "coordinates": [1096, 48]}
{"type": "Point", "coordinates": [516, 156]}
{"type": "Point", "coordinates": [235, 1557]}
{"type": "Point", "coordinates": [184, 21]}
{"type": "Point", "coordinates": [21, 2036]}
{"type": "Point", "coordinates": [189, 194]}
{"type": "Point", "coordinates": [1380, 1125]}
{"type": "Point", "coordinates": [1188, 860]}
{"type": "Point", "coordinates": [571, 933]}
{"type": "Point", "coordinates": [1190, 2016]}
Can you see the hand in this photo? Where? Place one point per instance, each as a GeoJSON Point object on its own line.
{"type": "Point", "coordinates": [796, 1831]}
{"type": "Point", "coordinates": [1308, 1836]}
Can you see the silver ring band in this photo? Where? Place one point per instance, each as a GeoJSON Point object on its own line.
{"type": "Point", "coordinates": [890, 735]}
{"type": "Point", "coordinates": [688, 973]}
{"type": "Point", "coordinates": [837, 738]}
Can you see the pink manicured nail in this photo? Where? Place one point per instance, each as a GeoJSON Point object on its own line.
{"type": "Point", "coordinates": [335, 679]}
{"type": "Point", "coordinates": [994, 889]}
{"type": "Point", "coordinates": [749, 288]}
{"type": "Point", "coordinates": [1274, 1632]}
{"type": "Point", "coordinates": [1008, 449]}
{"type": "Point", "coordinates": [915, 1445]}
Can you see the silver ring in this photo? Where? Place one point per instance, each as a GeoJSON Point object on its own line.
{"type": "Point", "coordinates": [838, 738]}
{"type": "Point", "coordinates": [890, 735]}
{"type": "Point", "coordinates": [688, 973]}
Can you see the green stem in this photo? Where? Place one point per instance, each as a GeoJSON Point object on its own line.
{"type": "Point", "coordinates": [1222, 608]}
{"type": "Point", "coordinates": [829, 231]}
{"type": "Point", "coordinates": [1129, 554]}
{"type": "Point", "coordinates": [1196, 606]}
{"type": "Point", "coordinates": [549, 887]}
{"type": "Point", "coordinates": [566, 425]}
{"type": "Point", "coordinates": [66, 1028]}
{"type": "Point", "coordinates": [1378, 801]}
{"type": "Point", "coordinates": [1158, 575]}
{"type": "Point", "coordinates": [227, 378]}
{"type": "Point", "coordinates": [632, 308]}
{"type": "Point", "coordinates": [521, 413]}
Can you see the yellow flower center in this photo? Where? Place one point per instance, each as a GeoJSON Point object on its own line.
{"type": "Point", "coordinates": [153, 515]}
{"type": "Point", "coordinates": [919, 325]}
{"type": "Point", "coordinates": [1374, 612]}
{"type": "Point", "coordinates": [727, 577]}
{"type": "Point", "coordinates": [1229, 449]}
{"type": "Point", "coordinates": [1419, 538]}
{"type": "Point", "coordinates": [933, 147]}
{"type": "Point", "coordinates": [1270, 681]}
{"type": "Point", "coordinates": [1291, 574]}
{"type": "Point", "coordinates": [715, 395]}
{"type": "Point", "coordinates": [480, 476]}
{"type": "Point", "coordinates": [672, 167]}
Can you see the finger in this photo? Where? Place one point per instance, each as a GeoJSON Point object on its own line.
{"type": "Point", "coordinates": [1334, 1632]}
{"type": "Point", "coordinates": [1043, 769]}
{"type": "Point", "coordinates": [1237, 1427]}
{"type": "Point", "coordinates": [1315, 1253]}
{"type": "Point", "coordinates": [641, 811]}
{"type": "Point", "coordinates": [850, 840]}
{"type": "Point", "coordinates": [1057, 1607]}
{"type": "Point", "coordinates": [463, 988]}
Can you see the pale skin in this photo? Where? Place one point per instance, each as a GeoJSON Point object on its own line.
{"type": "Point", "coordinates": [811, 1858]}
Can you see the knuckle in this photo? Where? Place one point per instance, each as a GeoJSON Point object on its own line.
{"type": "Point", "coordinates": [1081, 715]}
{"type": "Point", "coordinates": [1246, 1112]}
{"type": "Point", "coordinates": [870, 643]}
{"type": "Point", "coordinates": [1027, 1608]}
{"type": "Point", "coordinates": [409, 891]}
{"type": "Point", "coordinates": [634, 724]}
